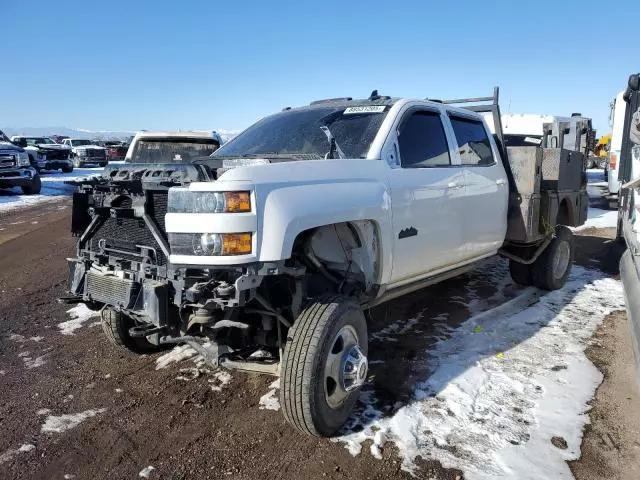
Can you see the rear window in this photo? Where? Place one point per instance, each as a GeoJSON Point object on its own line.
{"type": "Point", "coordinates": [473, 142]}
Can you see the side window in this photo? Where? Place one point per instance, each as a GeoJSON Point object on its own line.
{"type": "Point", "coordinates": [423, 142]}
{"type": "Point", "coordinates": [473, 143]}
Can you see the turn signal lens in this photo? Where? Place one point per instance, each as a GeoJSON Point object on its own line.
{"type": "Point", "coordinates": [236, 243]}
{"type": "Point", "coordinates": [237, 202]}
{"type": "Point", "coordinates": [613, 161]}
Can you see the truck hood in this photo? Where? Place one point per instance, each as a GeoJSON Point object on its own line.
{"type": "Point", "coordinates": [91, 147]}
{"type": "Point", "coordinates": [50, 146]}
{"type": "Point", "coordinates": [6, 146]}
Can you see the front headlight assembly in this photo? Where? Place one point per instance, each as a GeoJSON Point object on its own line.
{"type": "Point", "coordinates": [210, 244]}
{"type": "Point", "coordinates": [183, 200]}
{"type": "Point", "coordinates": [23, 159]}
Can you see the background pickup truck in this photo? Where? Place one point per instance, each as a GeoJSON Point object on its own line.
{"type": "Point", "coordinates": [264, 255]}
{"type": "Point", "coordinates": [45, 154]}
{"type": "Point", "coordinates": [16, 169]}
{"type": "Point", "coordinates": [85, 152]}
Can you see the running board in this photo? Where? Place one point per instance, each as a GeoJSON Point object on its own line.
{"type": "Point", "coordinates": [420, 284]}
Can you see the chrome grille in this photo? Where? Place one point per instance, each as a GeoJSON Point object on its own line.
{"type": "Point", "coordinates": [7, 161]}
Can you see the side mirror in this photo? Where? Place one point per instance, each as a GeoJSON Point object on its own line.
{"type": "Point", "coordinates": [20, 142]}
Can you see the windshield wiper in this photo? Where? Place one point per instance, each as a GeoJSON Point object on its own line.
{"type": "Point", "coordinates": [333, 145]}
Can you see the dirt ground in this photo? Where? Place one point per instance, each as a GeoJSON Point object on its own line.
{"type": "Point", "coordinates": [186, 430]}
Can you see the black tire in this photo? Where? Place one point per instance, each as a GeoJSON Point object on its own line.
{"type": "Point", "coordinates": [619, 226]}
{"type": "Point", "coordinates": [103, 164]}
{"type": "Point", "coordinates": [34, 188]}
{"type": "Point", "coordinates": [67, 169]}
{"type": "Point", "coordinates": [304, 389]}
{"type": "Point", "coordinates": [551, 269]}
{"type": "Point", "coordinates": [520, 273]}
{"type": "Point", "coordinates": [34, 164]}
{"type": "Point", "coordinates": [116, 325]}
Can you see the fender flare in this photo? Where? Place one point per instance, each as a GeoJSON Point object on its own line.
{"type": "Point", "coordinates": [291, 210]}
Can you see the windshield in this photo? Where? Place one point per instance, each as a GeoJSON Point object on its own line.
{"type": "Point", "coordinates": [79, 143]}
{"type": "Point", "coordinates": [39, 141]}
{"type": "Point", "coordinates": [298, 133]}
{"type": "Point", "coordinates": [169, 150]}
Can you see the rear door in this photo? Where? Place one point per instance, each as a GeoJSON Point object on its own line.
{"type": "Point", "coordinates": [427, 191]}
{"type": "Point", "coordinates": [487, 189]}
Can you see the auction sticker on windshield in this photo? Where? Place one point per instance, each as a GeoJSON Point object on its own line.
{"type": "Point", "coordinates": [365, 109]}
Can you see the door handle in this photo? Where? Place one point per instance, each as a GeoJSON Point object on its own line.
{"type": "Point", "coordinates": [454, 185]}
{"type": "Point", "coordinates": [501, 181]}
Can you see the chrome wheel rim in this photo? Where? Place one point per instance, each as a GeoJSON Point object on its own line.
{"type": "Point", "coordinates": [345, 367]}
{"type": "Point", "coordinates": [561, 260]}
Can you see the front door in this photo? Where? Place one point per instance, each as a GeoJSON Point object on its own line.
{"type": "Point", "coordinates": [427, 195]}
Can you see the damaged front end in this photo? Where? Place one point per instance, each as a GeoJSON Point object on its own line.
{"type": "Point", "coordinates": [122, 263]}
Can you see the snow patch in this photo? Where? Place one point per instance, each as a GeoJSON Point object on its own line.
{"type": "Point", "coordinates": [598, 218]}
{"type": "Point", "coordinates": [179, 353]}
{"type": "Point", "coordinates": [9, 454]}
{"type": "Point", "coordinates": [30, 362]}
{"type": "Point", "coordinates": [53, 189]}
{"type": "Point", "coordinates": [391, 331]}
{"type": "Point", "coordinates": [79, 314]}
{"type": "Point", "coordinates": [43, 411]}
{"type": "Point", "coordinates": [493, 402]}
{"type": "Point", "coordinates": [62, 423]}
{"type": "Point", "coordinates": [270, 401]}
{"type": "Point", "coordinates": [175, 355]}
{"type": "Point", "coordinates": [219, 380]}
{"type": "Point", "coordinates": [146, 471]}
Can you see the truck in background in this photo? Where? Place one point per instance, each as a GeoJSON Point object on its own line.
{"type": "Point", "coordinates": [618, 109]}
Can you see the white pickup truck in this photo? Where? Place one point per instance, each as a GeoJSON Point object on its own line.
{"type": "Point", "coordinates": [264, 255]}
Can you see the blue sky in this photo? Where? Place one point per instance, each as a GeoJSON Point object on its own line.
{"type": "Point", "coordinates": [129, 65]}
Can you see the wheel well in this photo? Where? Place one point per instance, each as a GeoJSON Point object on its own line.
{"type": "Point", "coordinates": [565, 214]}
{"type": "Point", "coordinates": [345, 250]}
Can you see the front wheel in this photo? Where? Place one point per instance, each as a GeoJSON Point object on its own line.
{"type": "Point", "coordinates": [324, 365]}
{"type": "Point", "coordinates": [67, 169]}
{"type": "Point", "coordinates": [116, 325]}
{"type": "Point", "coordinates": [34, 187]}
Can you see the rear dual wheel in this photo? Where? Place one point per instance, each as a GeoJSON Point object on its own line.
{"type": "Point", "coordinates": [324, 365]}
{"type": "Point", "coordinates": [552, 267]}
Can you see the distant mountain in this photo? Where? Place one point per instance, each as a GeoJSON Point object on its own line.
{"type": "Point", "coordinates": [89, 134]}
